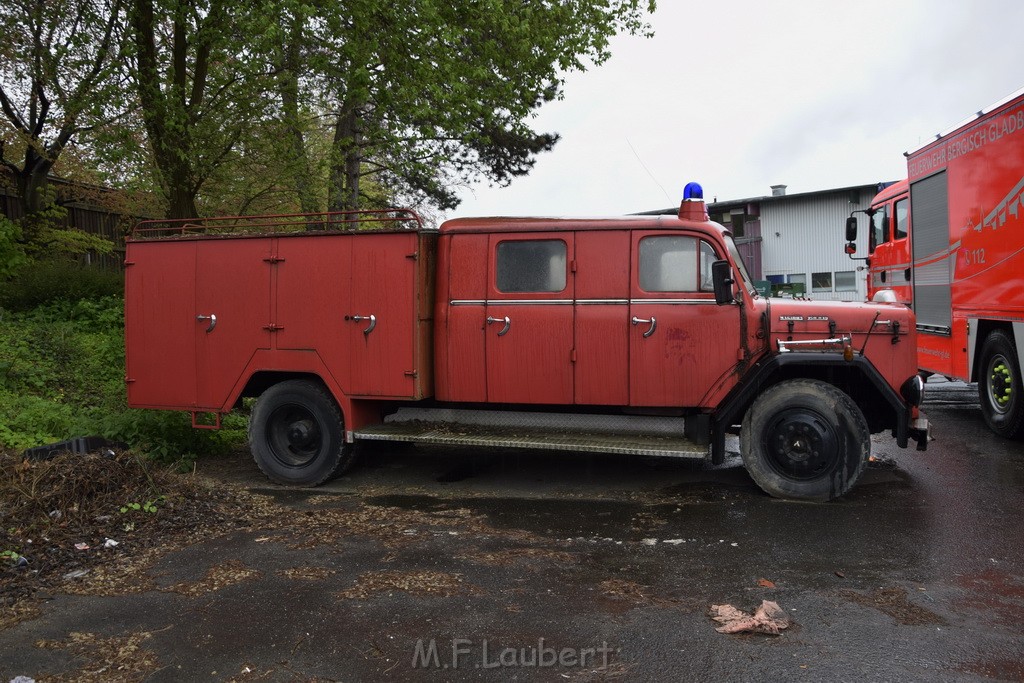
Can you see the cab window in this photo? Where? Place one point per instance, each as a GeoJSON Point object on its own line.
{"type": "Point", "coordinates": [879, 227]}
{"type": "Point", "coordinates": [531, 266]}
{"type": "Point", "coordinates": [902, 218]}
{"type": "Point", "coordinates": [675, 263]}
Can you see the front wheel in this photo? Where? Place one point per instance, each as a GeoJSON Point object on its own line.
{"type": "Point", "coordinates": [805, 440]}
{"type": "Point", "coordinates": [999, 386]}
{"type": "Point", "coordinates": [297, 434]}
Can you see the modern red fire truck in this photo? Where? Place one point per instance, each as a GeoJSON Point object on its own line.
{"type": "Point", "coordinates": [949, 242]}
{"type": "Point", "coordinates": [641, 335]}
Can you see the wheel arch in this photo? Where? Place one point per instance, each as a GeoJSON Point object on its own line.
{"type": "Point", "coordinates": [980, 329]}
{"type": "Point", "coordinates": [262, 380]}
{"type": "Point", "coordinates": [881, 406]}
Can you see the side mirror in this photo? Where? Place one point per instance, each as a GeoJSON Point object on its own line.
{"type": "Point", "coordinates": [721, 276]}
{"type": "Point", "coordinates": [851, 229]}
{"type": "Point", "coordinates": [851, 248]}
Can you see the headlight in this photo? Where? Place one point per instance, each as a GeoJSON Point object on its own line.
{"type": "Point", "coordinates": [913, 390]}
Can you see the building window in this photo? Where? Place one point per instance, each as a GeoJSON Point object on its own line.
{"type": "Point", "coordinates": [846, 281]}
{"type": "Point", "coordinates": [821, 282]}
{"type": "Point", "coordinates": [531, 266]}
{"type": "Point", "coordinates": [797, 278]}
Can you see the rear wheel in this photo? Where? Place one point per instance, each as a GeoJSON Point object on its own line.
{"type": "Point", "coordinates": [297, 434]}
{"type": "Point", "coordinates": [1000, 386]}
{"type": "Point", "coordinates": [805, 440]}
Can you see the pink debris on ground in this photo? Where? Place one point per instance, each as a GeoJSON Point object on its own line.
{"type": "Point", "coordinates": [768, 618]}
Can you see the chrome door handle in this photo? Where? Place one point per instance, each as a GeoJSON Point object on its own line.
{"type": "Point", "coordinates": [653, 323]}
{"type": "Point", "coordinates": [360, 318]}
{"type": "Point", "coordinates": [508, 324]}
{"type": "Point", "coordinates": [213, 321]}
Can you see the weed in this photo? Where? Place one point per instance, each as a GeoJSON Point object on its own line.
{"type": "Point", "coordinates": [149, 507]}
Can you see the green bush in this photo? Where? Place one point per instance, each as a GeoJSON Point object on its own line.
{"type": "Point", "coordinates": [62, 376]}
{"type": "Point", "coordinates": [12, 252]}
{"type": "Point", "coordinates": [44, 282]}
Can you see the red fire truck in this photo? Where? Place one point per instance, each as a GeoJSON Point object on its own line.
{"type": "Point", "coordinates": [949, 242]}
{"type": "Point", "coordinates": [641, 335]}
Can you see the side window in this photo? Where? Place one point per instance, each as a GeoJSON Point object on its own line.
{"type": "Point", "coordinates": [879, 227]}
{"type": "Point", "coordinates": [707, 257]}
{"type": "Point", "coordinates": [675, 263]}
{"type": "Point", "coordinates": [902, 215]}
{"type": "Point", "coordinates": [531, 266]}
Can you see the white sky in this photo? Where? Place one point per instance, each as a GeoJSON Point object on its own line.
{"type": "Point", "coordinates": [740, 95]}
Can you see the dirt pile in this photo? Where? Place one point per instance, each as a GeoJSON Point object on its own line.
{"type": "Point", "coordinates": [71, 515]}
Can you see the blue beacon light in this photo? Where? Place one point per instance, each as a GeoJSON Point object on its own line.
{"type": "Point", "coordinates": [693, 191]}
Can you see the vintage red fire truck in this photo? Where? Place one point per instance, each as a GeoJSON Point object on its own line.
{"type": "Point", "coordinates": [639, 335]}
{"type": "Point", "coordinates": [949, 242]}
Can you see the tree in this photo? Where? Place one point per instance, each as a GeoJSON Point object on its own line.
{"type": "Point", "coordinates": [200, 78]}
{"type": "Point", "coordinates": [427, 94]}
{"type": "Point", "coordinates": [414, 98]}
{"type": "Point", "coordinates": [59, 72]}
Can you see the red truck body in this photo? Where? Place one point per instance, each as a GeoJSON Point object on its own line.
{"type": "Point", "coordinates": [949, 242]}
{"type": "Point", "coordinates": [641, 320]}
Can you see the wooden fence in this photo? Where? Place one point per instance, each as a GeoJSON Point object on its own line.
{"type": "Point", "coordinates": [81, 214]}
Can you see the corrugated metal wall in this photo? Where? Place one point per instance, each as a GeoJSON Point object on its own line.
{"type": "Point", "coordinates": [807, 235]}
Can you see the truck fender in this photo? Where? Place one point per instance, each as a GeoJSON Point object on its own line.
{"type": "Point", "coordinates": [768, 370]}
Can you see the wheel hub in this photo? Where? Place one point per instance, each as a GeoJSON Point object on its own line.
{"type": "Point", "coordinates": [294, 435]}
{"type": "Point", "coordinates": [1000, 384]}
{"type": "Point", "coordinates": [800, 444]}
{"type": "Point", "coordinates": [300, 433]}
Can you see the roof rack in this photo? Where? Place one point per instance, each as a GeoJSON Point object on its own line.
{"type": "Point", "coordinates": [276, 224]}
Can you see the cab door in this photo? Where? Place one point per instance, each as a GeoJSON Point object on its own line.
{"type": "Point", "coordinates": [528, 324]}
{"type": "Point", "coordinates": [890, 256]}
{"type": "Point", "coordinates": [681, 344]}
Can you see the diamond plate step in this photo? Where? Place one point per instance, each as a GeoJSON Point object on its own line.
{"type": "Point", "coordinates": [626, 435]}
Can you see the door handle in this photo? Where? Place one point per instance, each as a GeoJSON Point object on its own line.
{"type": "Point", "coordinates": [213, 321]}
{"type": "Point", "coordinates": [360, 318]}
{"type": "Point", "coordinates": [653, 322]}
{"type": "Point", "coordinates": [508, 324]}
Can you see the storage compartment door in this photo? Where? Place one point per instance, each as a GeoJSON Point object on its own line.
{"type": "Point", "coordinates": [160, 324]}
{"type": "Point", "coordinates": [381, 323]}
{"type": "Point", "coordinates": [232, 314]}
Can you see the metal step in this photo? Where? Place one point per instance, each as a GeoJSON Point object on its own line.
{"type": "Point", "coordinates": [629, 435]}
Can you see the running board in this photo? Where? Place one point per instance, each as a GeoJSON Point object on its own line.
{"type": "Point", "coordinates": [621, 434]}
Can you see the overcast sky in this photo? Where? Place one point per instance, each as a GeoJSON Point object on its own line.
{"type": "Point", "coordinates": [741, 95]}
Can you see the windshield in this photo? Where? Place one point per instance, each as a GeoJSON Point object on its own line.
{"type": "Point", "coordinates": [748, 284]}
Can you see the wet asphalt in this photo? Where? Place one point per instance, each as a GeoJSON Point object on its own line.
{"type": "Point", "coordinates": [479, 565]}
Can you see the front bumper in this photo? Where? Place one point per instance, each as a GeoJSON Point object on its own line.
{"type": "Point", "coordinates": [920, 430]}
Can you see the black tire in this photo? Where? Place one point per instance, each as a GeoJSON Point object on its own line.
{"type": "Point", "coordinates": [297, 434]}
{"type": "Point", "coordinates": [805, 440]}
{"type": "Point", "coordinates": [1000, 386]}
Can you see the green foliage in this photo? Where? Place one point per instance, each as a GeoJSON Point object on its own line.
{"type": "Point", "coordinates": [57, 282]}
{"type": "Point", "coordinates": [47, 237]}
{"type": "Point", "coordinates": [281, 105]}
{"type": "Point", "coordinates": [12, 253]}
{"type": "Point", "coordinates": [62, 376]}
{"type": "Point", "coordinates": [9, 556]}
{"type": "Point", "coordinates": [149, 507]}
